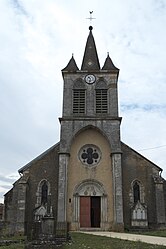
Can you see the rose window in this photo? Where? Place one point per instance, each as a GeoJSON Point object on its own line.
{"type": "Point", "coordinates": [90, 155]}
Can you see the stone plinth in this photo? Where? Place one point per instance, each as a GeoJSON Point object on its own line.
{"type": "Point", "coordinates": [48, 226]}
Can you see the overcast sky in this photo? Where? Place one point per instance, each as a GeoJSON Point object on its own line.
{"type": "Point", "coordinates": [37, 39]}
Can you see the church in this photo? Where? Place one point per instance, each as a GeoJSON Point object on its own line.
{"type": "Point", "coordinates": [90, 179]}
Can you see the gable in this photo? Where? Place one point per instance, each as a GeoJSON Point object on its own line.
{"type": "Point", "coordinates": [38, 158]}
{"type": "Point", "coordinates": [129, 153]}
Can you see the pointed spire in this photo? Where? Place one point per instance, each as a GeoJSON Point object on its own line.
{"type": "Point", "coordinates": [108, 65]}
{"type": "Point", "coordinates": [71, 66]}
{"type": "Point", "coordinates": [90, 59]}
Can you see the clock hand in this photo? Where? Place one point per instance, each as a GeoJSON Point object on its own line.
{"type": "Point", "coordinates": [89, 78]}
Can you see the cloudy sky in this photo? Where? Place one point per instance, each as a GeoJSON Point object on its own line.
{"type": "Point", "coordinates": [37, 39]}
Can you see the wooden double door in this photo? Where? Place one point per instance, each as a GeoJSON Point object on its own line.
{"type": "Point", "coordinates": [90, 211]}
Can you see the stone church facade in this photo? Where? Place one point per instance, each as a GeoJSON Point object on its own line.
{"type": "Point", "coordinates": [90, 179]}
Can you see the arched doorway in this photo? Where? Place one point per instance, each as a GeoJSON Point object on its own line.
{"type": "Point", "coordinates": [90, 205]}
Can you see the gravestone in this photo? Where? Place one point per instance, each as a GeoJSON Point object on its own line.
{"type": "Point", "coordinates": [44, 230]}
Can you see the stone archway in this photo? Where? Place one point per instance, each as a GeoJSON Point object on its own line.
{"type": "Point", "coordinates": [92, 195]}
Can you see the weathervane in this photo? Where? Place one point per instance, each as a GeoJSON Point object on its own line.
{"type": "Point", "coordinates": [90, 18]}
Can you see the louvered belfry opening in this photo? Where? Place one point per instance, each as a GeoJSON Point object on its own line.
{"type": "Point", "coordinates": [101, 101]}
{"type": "Point", "coordinates": [78, 101]}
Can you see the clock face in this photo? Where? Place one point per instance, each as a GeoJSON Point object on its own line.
{"type": "Point", "coordinates": [90, 78]}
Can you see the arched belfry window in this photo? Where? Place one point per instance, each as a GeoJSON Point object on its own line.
{"type": "Point", "coordinates": [79, 97]}
{"type": "Point", "coordinates": [101, 97]}
{"type": "Point", "coordinates": [136, 192]}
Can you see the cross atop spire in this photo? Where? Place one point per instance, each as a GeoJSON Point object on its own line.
{"type": "Point", "coordinates": [90, 18]}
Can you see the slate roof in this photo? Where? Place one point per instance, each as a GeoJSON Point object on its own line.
{"type": "Point", "coordinates": [90, 58]}
{"type": "Point", "coordinates": [71, 66]}
{"type": "Point", "coordinates": [109, 65]}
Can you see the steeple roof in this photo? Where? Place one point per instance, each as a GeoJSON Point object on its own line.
{"type": "Point", "coordinates": [71, 66]}
{"type": "Point", "coordinates": [90, 59]}
{"type": "Point", "coordinates": [109, 65]}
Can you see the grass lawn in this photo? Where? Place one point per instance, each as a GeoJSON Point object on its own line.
{"type": "Point", "coordinates": [17, 246]}
{"type": "Point", "coordinates": [87, 241]}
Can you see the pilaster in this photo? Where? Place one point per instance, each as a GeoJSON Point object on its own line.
{"type": "Point", "coordinates": [160, 205]}
{"type": "Point", "coordinates": [117, 188]}
{"type": "Point", "coordinates": [62, 186]}
{"type": "Point", "coordinates": [21, 204]}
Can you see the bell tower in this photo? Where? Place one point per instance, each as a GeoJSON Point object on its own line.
{"type": "Point", "coordinates": [90, 100]}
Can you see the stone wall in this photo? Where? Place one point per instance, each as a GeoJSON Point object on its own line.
{"type": "Point", "coordinates": [21, 200]}
{"type": "Point", "coordinates": [44, 169]}
{"type": "Point", "coordinates": [137, 167]}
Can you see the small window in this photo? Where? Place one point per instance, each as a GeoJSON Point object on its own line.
{"type": "Point", "coordinates": [136, 192]}
{"type": "Point", "coordinates": [101, 101]}
{"type": "Point", "coordinates": [78, 101]}
{"type": "Point", "coordinates": [44, 193]}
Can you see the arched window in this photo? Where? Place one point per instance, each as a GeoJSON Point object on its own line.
{"type": "Point", "coordinates": [136, 192]}
{"type": "Point", "coordinates": [101, 97]}
{"type": "Point", "coordinates": [44, 193]}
